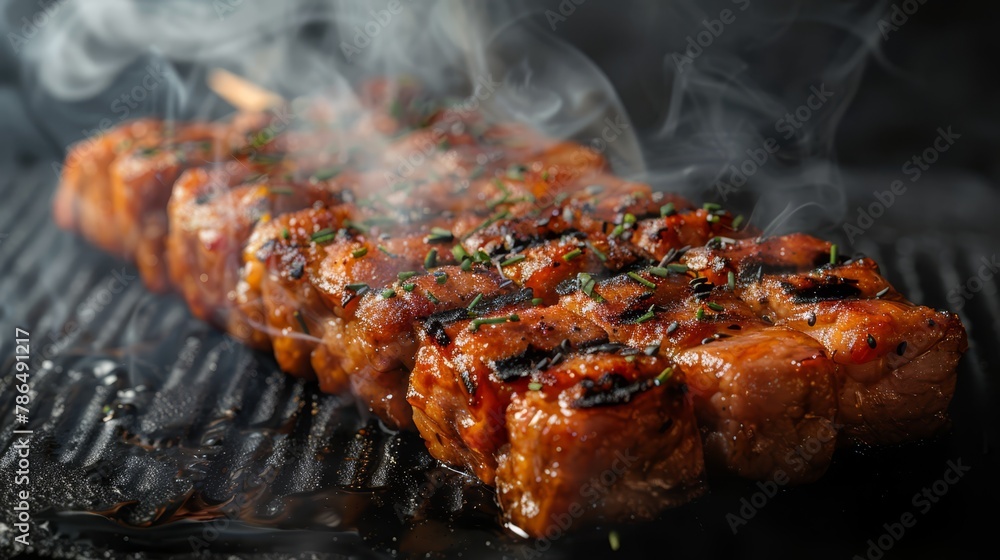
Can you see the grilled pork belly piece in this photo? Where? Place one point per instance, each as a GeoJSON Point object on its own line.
{"type": "Point", "coordinates": [761, 393]}
{"type": "Point", "coordinates": [539, 321]}
{"type": "Point", "coordinates": [897, 361]}
{"type": "Point", "coordinates": [534, 400]}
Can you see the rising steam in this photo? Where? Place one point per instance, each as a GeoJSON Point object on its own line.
{"type": "Point", "coordinates": [728, 91]}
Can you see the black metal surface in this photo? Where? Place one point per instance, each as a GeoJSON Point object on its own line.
{"type": "Point", "coordinates": [155, 436]}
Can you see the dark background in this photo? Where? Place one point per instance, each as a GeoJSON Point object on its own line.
{"type": "Point", "coordinates": [937, 70]}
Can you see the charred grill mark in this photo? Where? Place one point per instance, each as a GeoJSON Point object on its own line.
{"type": "Point", "coordinates": [611, 389]}
{"type": "Point", "coordinates": [522, 365]}
{"type": "Point", "coordinates": [435, 328]}
{"type": "Point", "coordinates": [484, 307]}
{"type": "Point", "coordinates": [469, 382]}
{"type": "Point", "coordinates": [815, 291]}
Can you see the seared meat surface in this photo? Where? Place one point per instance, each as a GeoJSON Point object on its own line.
{"type": "Point", "coordinates": [540, 321]}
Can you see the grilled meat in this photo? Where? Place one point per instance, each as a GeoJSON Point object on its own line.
{"type": "Point", "coordinates": [538, 320]}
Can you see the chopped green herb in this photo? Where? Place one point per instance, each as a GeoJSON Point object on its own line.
{"type": "Point", "coordinates": [358, 287]}
{"type": "Point", "coordinates": [659, 271]}
{"type": "Point", "coordinates": [833, 254]}
{"type": "Point", "coordinates": [614, 541]}
{"type": "Point", "coordinates": [322, 236]}
{"type": "Point", "coordinates": [641, 280]}
{"type": "Point", "coordinates": [732, 281]}
{"type": "Point", "coordinates": [388, 293]}
{"type": "Point", "coordinates": [536, 301]}
{"type": "Point", "coordinates": [715, 306]}
{"type": "Point", "coordinates": [700, 314]}
{"type": "Point", "coordinates": [355, 226]}
{"type": "Point", "coordinates": [466, 264]}
{"type": "Point", "coordinates": [572, 255]}
{"type": "Point", "coordinates": [476, 323]}
{"type": "Point", "coordinates": [326, 173]}
{"type": "Point", "coordinates": [441, 277]}
{"type": "Point", "coordinates": [431, 260]}
{"type": "Point", "coordinates": [628, 219]}
{"type": "Point", "coordinates": [737, 222]}
{"type": "Point", "coordinates": [439, 235]}
{"type": "Point", "coordinates": [475, 300]}
{"type": "Point", "coordinates": [534, 386]}
{"type": "Point", "coordinates": [433, 298]}
{"type": "Point", "coordinates": [664, 376]}
{"type": "Point", "coordinates": [459, 253]}
{"type": "Point", "coordinates": [619, 229]}
{"type": "Point", "coordinates": [667, 209]}
{"type": "Point", "coordinates": [711, 206]}
{"type": "Point", "coordinates": [285, 234]}
{"type": "Point", "coordinates": [358, 253]}
{"type": "Point", "coordinates": [408, 287]}
{"type": "Point", "coordinates": [676, 267]}
{"type": "Point", "coordinates": [481, 256]}
{"type": "Point", "coordinates": [600, 254]}
{"type": "Point", "coordinates": [513, 260]}
{"type": "Point", "coordinates": [712, 219]}
{"type": "Point", "coordinates": [387, 252]}
{"type": "Point", "coordinates": [406, 275]}
{"type": "Point", "coordinates": [647, 316]}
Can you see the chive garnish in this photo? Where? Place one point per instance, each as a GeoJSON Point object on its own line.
{"type": "Point", "coordinates": [358, 287]}
{"type": "Point", "coordinates": [482, 256]}
{"type": "Point", "coordinates": [513, 260]}
{"type": "Point", "coordinates": [712, 218]}
{"type": "Point", "coordinates": [441, 277]}
{"type": "Point", "coordinates": [327, 173]}
{"type": "Point", "coordinates": [711, 206]}
{"type": "Point", "coordinates": [628, 219]}
{"type": "Point", "coordinates": [732, 281]}
{"type": "Point", "coordinates": [658, 271]}
{"type": "Point", "coordinates": [358, 253]}
{"type": "Point", "coordinates": [280, 190]}
{"type": "Point", "coordinates": [322, 236]}
{"type": "Point", "coordinates": [406, 275]}
{"type": "Point", "coordinates": [433, 298]}
{"type": "Point", "coordinates": [430, 261]}
{"type": "Point", "coordinates": [302, 322]}
{"type": "Point", "coordinates": [459, 253]}
{"type": "Point", "coordinates": [619, 229]}
{"type": "Point", "coordinates": [285, 234]}
{"type": "Point", "coordinates": [664, 376]}
{"type": "Point", "coordinates": [475, 300]}
{"type": "Point", "coordinates": [641, 280]}
{"type": "Point", "coordinates": [388, 293]}
{"type": "Point", "coordinates": [476, 323]}
{"type": "Point", "coordinates": [536, 301]}
{"type": "Point", "coordinates": [715, 306]}
{"type": "Point", "coordinates": [534, 386]}
{"type": "Point", "coordinates": [355, 226]}
{"type": "Point", "coordinates": [408, 287]}
{"type": "Point", "coordinates": [439, 235]}
{"type": "Point", "coordinates": [700, 314]}
{"type": "Point", "coordinates": [676, 267]}
{"type": "Point", "coordinates": [387, 252]}
{"type": "Point", "coordinates": [737, 222]}
{"type": "Point", "coordinates": [667, 210]}
{"type": "Point", "coordinates": [587, 284]}
{"type": "Point", "coordinates": [572, 255]}
{"type": "Point", "coordinates": [600, 255]}
{"type": "Point", "coordinates": [466, 264]}
{"type": "Point", "coordinates": [833, 254]}
{"type": "Point", "coordinates": [646, 316]}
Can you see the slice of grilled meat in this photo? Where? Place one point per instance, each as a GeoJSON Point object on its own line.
{"type": "Point", "coordinates": [761, 392]}
{"type": "Point", "coordinates": [896, 360]}
{"type": "Point", "coordinates": [568, 426]}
